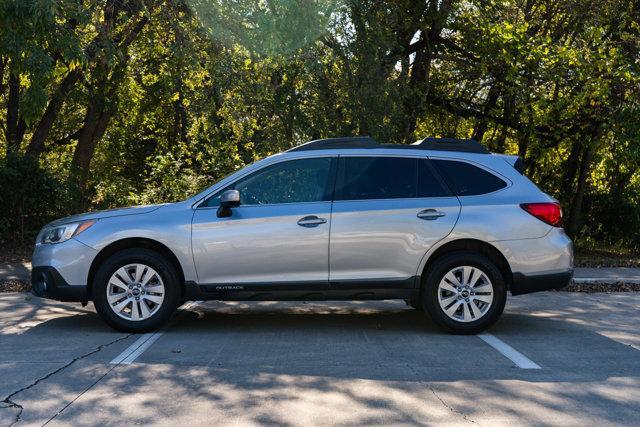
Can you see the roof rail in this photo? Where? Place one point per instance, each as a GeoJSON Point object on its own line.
{"type": "Point", "coordinates": [344, 142]}
{"type": "Point", "coordinates": [437, 144]}
{"type": "Point", "coordinates": [452, 144]}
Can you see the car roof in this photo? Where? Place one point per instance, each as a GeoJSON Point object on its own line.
{"type": "Point", "coordinates": [366, 142]}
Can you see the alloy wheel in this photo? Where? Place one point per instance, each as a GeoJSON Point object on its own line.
{"type": "Point", "coordinates": [135, 292]}
{"type": "Point", "coordinates": [465, 294]}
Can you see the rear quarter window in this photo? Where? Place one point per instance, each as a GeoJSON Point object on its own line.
{"type": "Point", "coordinates": [465, 179]}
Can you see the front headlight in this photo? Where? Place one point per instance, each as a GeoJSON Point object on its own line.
{"type": "Point", "coordinates": [64, 232]}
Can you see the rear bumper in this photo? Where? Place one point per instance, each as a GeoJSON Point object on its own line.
{"type": "Point", "coordinates": [526, 284]}
{"type": "Point", "coordinates": [552, 253]}
{"type": "Point", "coordinates": [46, 282]}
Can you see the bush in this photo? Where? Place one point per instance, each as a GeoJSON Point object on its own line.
{"type": "Point", "coordinates": [613, 220]}
{"type": "Point", "coordinates": [29, 197]}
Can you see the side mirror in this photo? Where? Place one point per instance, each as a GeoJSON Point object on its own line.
{"type": "Point", "coordinates": [229, 199]}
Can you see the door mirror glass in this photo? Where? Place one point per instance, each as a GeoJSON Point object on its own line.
{"type": "Point", "coordinates": [229, 199]}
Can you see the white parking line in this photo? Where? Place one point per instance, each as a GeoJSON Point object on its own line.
{"type": "Point", "coordinates": [131, 353]}
{"type": "Point", "coordinates": [142, 343]}
{"type": "Point", "coordinates": [509, 352]}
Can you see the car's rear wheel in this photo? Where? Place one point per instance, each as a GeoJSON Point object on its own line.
{"type": "Point", "coordinates": [464, 293]}
{"type": "Point", "coordinates": [136, 290]}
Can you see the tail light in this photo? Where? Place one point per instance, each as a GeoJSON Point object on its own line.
{"type": "Point", "coordinates": [551, 213]}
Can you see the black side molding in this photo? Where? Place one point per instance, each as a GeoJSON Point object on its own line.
{"type": "Point", "coordinates": [46, 282]}
{"type": "Point", "coordinates": [525, 284]}
{"type": "Point", "coordinates": [373, 289]}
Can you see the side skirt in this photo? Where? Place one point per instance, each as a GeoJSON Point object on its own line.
{"type": "Point", "coordinates": [374, 289]}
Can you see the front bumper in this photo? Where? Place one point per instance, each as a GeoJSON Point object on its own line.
{"type": "Point", "coordinates": [46, 282]}
{"type": "Point", "coordinates": [71, 259]}
{"type": "Point", "coordinates": [526, 284]}
{"type": "Point", "coordinates": [60, 270]}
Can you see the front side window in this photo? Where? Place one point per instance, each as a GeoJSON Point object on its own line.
{"type": "Point", "coordinates": [293, 181]}
{"type": "Point", "coordinates": [468, 180]}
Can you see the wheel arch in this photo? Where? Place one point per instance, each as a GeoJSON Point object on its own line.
{"type": "Point", "coordinates": [130, 243]}
{"type": "Point", "coordinates": [472, 245]}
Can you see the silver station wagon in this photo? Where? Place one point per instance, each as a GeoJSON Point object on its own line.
{"type": "Point", "coordinates": [443, 224]}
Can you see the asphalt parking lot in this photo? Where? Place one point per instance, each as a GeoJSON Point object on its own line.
{"type": "Point", "coordinates": [554, 358]}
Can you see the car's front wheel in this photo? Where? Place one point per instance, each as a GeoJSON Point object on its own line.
{"type": "Point", "coordinates": [464, 293]}
{"type": "Point", "coordinates": [136, 290]}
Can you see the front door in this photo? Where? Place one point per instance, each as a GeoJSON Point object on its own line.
{"type": "Point", "coordinates": [387, 213]}
{"type": "Point", "coordinates": [278, 234]}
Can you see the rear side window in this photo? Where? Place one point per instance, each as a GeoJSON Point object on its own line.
{"type": "Point", "coordinates": [428, 184]}
{"type": "Point", "coordinates": [466, 179]}
{"type": "Point", "coordinates": [363, 178]}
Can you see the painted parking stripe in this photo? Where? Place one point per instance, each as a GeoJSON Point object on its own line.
{"type": "Point", "coordinates": [125, 357]}
{"type": "Point", "coordinates": [509, 352]}
{"type": "Point", "coordinates": [131, 353]}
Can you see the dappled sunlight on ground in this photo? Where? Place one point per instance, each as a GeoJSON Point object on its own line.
{"type": "Point", "coordinates": [324, 363]}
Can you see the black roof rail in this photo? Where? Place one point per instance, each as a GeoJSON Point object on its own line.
{"type": "Point", "coordinates": [345, 142]}
{"type": "Point", "coordinates": [452, 144]}
{"type": "Point", "coordinates": [437, 144]}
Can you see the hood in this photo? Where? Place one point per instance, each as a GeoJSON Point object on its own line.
{"type": "Point", "coordinates": [134, 210]}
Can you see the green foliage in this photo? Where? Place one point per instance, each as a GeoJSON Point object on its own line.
{"type": "Point", "coordinates": [170, 96]}
{"type": "Point", "coordinates": [269, 27]}
{"type": "Point", "coordinates": [30, 196]}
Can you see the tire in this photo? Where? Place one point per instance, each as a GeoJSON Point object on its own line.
{"type": "Point", "coordinates": [157, 299]}
{"type": "Point", "coordinates": [444, 289]}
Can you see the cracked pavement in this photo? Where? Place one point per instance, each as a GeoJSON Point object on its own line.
{"type": "Point", "coordinates": [11, 404]}
{"type": "Point", "coordinates": [323, 363]}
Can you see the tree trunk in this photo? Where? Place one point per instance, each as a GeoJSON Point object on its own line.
{"type": "Point", "coordinates": [573, 222]}
{"type": "Point", "coordinates": [13, 103]}
{"type": "Point", "coordinates": [523, 145]}
{"type": "Point", "coordinates": [570, 170]}
{"type": "Point", "coordinates": [483, 124]}
{"type": "Point", "coordinates": [421, 67]}
{"type": "Point", "coordinates": [500, 142]}
{"type": "Point", "coordinates": [3, 64]}
{"type": "Point", "coordinates": [87, 140]}
{"type": "Point", "coordinates": [101, 106]}
{"type": "Point", "coordinates": [36, 146]}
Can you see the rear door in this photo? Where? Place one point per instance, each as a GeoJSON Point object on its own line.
{"type": "Point", "coordinates": [387, 213]}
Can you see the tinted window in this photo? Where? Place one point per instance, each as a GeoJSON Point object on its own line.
{"type": "Point", "coordinates": [293, 181]}
{"type": "Point", "coordinates": [362, 178]}
{"type": "Point", "coordinates": [468, 180]}
{"type": "Point", "coordinates": [428, 184]}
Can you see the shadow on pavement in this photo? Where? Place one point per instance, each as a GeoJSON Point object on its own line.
{"type": "Point", "coordinates": [357, 363]}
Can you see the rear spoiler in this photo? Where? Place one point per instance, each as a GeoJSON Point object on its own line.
{"type": "Point", "coordinates": [515, 161]}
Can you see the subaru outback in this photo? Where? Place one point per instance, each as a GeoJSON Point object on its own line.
{"type": "Point", "coordinates": [443, 224]}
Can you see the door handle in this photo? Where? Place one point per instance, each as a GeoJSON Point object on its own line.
{"type": "Point", "coordinates": [311, 221]}
{"type": "Point", "coordinates": [430, 214]}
